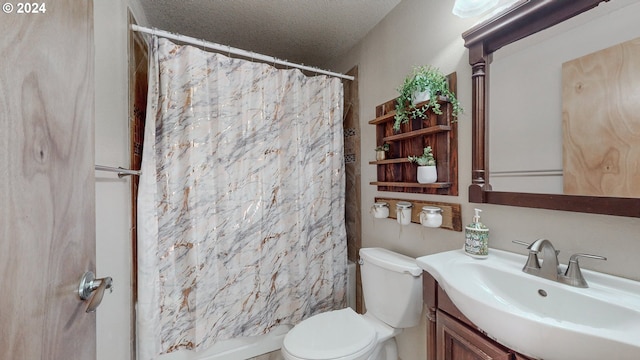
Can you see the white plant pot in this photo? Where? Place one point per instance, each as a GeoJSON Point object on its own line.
{"type": "Point", "coordinates": [381, 155]}
{"type": "Point", "coordinates": [421, 96]}
{"type": "Point", "coordinates": [427, 174]}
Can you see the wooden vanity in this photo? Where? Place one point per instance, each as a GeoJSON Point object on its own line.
{"type": "Point", "coordinates": [451, 336]}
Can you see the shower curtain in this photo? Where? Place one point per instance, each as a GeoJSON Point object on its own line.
{"type": "Point", "coordinates": [241, 200]}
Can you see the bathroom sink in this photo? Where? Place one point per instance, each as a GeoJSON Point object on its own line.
{"type": "Point", "coordinates": [539, 317]}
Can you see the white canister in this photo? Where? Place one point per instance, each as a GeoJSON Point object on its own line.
{"type": "Point", "coordinates": [403, 212]}
{"type": "Point", "coordinates": [431, 216]}
{"type": "Point", "coordinates": [427, 174]}
{"type": "Point", "coordinates": [380, 210]}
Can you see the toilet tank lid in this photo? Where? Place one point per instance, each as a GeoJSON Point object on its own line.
{"type": "Point", "coordinates": [391, 260]}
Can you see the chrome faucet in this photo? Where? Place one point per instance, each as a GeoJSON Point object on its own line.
{"type": "Point", "coordinates": [550, 267]}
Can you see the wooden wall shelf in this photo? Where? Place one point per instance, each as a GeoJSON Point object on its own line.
{"type": "Point", "coordinates": [436, 185]}
{"type": "Point", "coordinates": [390, 114]}
{"type": "Point", "coordinates": [451, 218]}
{"type": "Point", "coordinates": [389, 161]}
{"type": "Point", "coordinates": [411, 134]}
{"type": "Point", "coordinates": [440, 132]}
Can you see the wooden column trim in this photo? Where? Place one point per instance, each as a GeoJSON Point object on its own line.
{"type": "Point", "coordinates": [479, 61]}
{"type": "Point", "coordinates": [429, 296]}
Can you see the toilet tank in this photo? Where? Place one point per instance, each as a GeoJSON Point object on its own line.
{"type": "Point", "coordinates": [392, 287]}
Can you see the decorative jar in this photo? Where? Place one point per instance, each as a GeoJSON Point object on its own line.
{"type": "Point", "coordinates": [380, 210]}
{"type": "Point", "coordinates": [403, 212]}
{"type": "Point", "coordinates": [431, 216]}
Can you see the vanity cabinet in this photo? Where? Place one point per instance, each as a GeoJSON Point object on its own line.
{"type": "Point", "coordinates": [396, 173]}
{"type": "Point", "coordinates": [451, 335]}
{"type": "Point", "coordinates": [456, 341]}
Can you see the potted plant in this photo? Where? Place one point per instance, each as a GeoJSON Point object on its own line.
{"type": "Point", "coordinates": [381, 151]}
{"type": "Point", "coordinates": [424, 83]}
{"type": "Point", "coordinates": [427, 172]}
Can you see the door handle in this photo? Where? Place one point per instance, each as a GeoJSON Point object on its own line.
{"type": "Point", "coordinates": [89, 284]}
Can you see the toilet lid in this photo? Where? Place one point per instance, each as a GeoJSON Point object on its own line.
{"type": "Point", "coordinates": [330, 335]}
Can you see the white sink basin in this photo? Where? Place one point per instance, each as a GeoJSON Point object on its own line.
{"type": "Point", "coordinates": [538, 317]}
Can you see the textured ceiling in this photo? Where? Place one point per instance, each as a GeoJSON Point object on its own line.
{"type": "Point", "coordinates": [312, 32]}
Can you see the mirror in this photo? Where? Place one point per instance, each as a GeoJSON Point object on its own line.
{"type": "Point", "coordinates": [516, 23]}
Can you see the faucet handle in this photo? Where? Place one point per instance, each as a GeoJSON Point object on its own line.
{"type": "Point", "coordinates": [574, 257]}
{"type": "Point", "coordinates": [521, 243]}
{"type": "Point", "coordinates": [532, 260]}
{"type": "Point", "coordinates": [573, 275]}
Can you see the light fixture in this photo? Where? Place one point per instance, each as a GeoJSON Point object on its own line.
{"type": "Point", "coordinates": [471, 8]}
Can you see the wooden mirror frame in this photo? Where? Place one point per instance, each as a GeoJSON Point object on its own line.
{"type": "Point", "coordinates": [521, 20]}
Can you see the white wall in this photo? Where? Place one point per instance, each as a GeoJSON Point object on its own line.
{"type": "Point", "coordinates": [113, 195]}
{"type": "Point", "coordinates": [421, 32]}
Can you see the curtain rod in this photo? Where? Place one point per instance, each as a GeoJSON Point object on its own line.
{"type": "Point", "coordinates": [235, 51]}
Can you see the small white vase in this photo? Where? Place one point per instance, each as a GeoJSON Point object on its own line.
{"type": "Point", "coordinates": [427, 174]}
{"type": "Point", "coordinates": [381, 155]}
{"type": "Point", "coordinates": [420, 96]}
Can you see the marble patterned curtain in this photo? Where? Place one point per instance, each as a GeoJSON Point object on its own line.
{"type": "Point", "coordinates": [241, 200]}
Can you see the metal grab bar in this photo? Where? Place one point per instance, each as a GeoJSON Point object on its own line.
{"type": "Point", "coordinates": [121, 171]}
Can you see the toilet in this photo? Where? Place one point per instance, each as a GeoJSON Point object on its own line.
{"type": "Point", "coordinates": [392, 287]}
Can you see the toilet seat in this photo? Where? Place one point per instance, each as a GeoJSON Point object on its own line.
{"type": "Point", "coordinates": [339, 334]}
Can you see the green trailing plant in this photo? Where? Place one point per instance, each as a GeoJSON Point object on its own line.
{"type": "Point", "coordinates": [423, 78]}
{"type": "Point", "coordinates": [426, 159]}
{"type": "Point", "coordinates": [383, 147]}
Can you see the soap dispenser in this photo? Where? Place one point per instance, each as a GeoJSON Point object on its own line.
{"type": "Point", "coordinates": [476, 238]}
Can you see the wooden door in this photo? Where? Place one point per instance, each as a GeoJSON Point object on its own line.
{"type": "Point", "coordinates": [47, 195]}
{"type": "Point", "coordinates": [457, 342]}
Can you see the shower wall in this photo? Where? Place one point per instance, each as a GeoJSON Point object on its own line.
{"type": "Point", "coordinates": [353, 161]}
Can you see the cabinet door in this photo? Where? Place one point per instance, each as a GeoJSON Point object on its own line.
{"type": "Point", "coordinates": [455, 341]}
